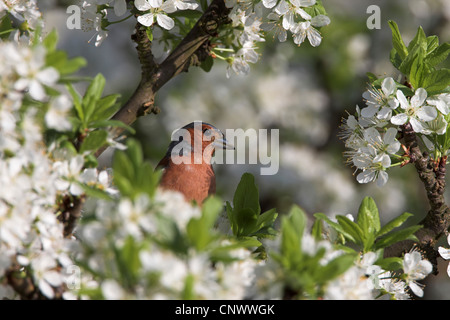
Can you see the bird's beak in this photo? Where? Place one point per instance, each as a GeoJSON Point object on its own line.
{"type": "Point", "coordinates": [223, 144]}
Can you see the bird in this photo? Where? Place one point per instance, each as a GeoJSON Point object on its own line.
{"type": "Point", "coordinates": [187, 164]}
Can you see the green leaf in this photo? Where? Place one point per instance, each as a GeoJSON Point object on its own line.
{"type": "Point", "coordinates": [335, 226]}
{"type": "Point", "coordinates": [417, 73]}
{"type": "Point", "coordinates": [5, 27]}
{"type": "Point", "coordinates": [417, 50]}
{"type": "Point", "coordinates": [438, 55]}
{"type": "Point", "coordinates": [199, 230]}
{"type": "Point", "coordinates": [246, 220]}
{"type": "Point", "coordinates": [397, 40]}
{"type": "Point", "coordinates": [76, 100]}
{"type": "Point", "coordinates": [390, 264]}
{"type": "Point", "coordinates": [94, 141]}
{"type": "Point", "coordinates": [105, 108]}
{"type": "Point", "coordinates": [292, 229]}
{"type": "Point", "coordinates": [317, 229]}
{"type": "Point", "coordinates": [351, 228]}
{"type": "Point", "coordinates": [368, 217]}
{"type": "Point", "coordinates": [419, 40]}
{"type": "Point", "coordinates": [336, 267]}
{"type": "Point", "coordinates": [396, 236]}
{"type": "Point", "coordinates": [92, 95]}
{"type": "Point", "coordinates": [266, 219]}
{"type": "Point", "coordinates": [394, 223]}
{"type": "Point", "coordinates": [188, 292]}
{"type": "Point", "coordinates": [51, 40]}
{"type": "Point", "coordinates": [395, 59]}
{"type": "Point", "coordinates": [131, 174]}
{"type": "Point", "coordinates": [72, 65]}
{"type": "Point", "coordinates": [247, 195]}
{"type": "Point", "coordinates": [432, 44]}
{"type": "Point", "coordinates": [207, 64]}
{"type": "Point", "coordinates": [149, 32]}
{"type": "Point", "coordinates": [436, 81]}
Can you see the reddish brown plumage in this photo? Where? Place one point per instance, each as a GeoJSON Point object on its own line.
{"type": "Point", "coordinates": [194, 177]}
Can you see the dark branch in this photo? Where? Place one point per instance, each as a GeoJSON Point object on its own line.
{"type": "Point", "coordinates": [437, 220]}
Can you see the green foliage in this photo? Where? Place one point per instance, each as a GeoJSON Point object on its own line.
{"type": "Point", "coordinates": [58, 59]}
{"type": "Point", "coordinates": [132, 175]}
{"type": "Point", "coordinates": [304, 272]}
{"type": "Point", "coordinates": [366, 233]}
{"type": "Point", "coordinates": [245, 216]}
{"type": "Point", "coordinates": [418, 60]}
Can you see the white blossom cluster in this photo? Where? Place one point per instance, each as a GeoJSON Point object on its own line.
{"type": "Point", "coordinates": [370, 136]}
{"type": "Point", "coordinates": [33, 176]}
{"type": "Point", "coordinates": [363, 281]}
{"type": "Point", "coordinates": [162, 273]}
{"type": "Point", "coordinates": [23, 10]}
{"type": "Point", "coordinates": [250, 22]}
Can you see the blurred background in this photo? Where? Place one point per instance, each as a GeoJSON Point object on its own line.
{"type": "Point", "coordinates": [302, 91]}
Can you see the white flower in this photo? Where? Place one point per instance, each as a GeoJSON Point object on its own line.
{"type": "Point", "coordinates": [185, 4]}
{"type": "Point", "coordinates": [394, 287]}
{"type": "Point", "coordinates": [45, 274]}
{"type": "Point", "coordinates": [133, 215]}
{"type": "Point", "coordinates": [69, 172]}
{"type": "Point", "coordinates": [441, 102]}
{"type": "Point", "coordinates": [33, 73]}
{"type": "Point", "coordinates": [111, 290]}
{"type": "Point", "coordinates": [416, 269]}
{"type": "Point", "coordinates": [352, 285]}
{"type": "Point", "coordinates": [384, 99]}
{"type": "Point", "coordinates": [157, 12]}
{"type": "Point", "coordinates": [305, 29]}
{"type": "Point", "coordinates": [414, 110]}
{"type": "Point", "coordinates": [438, 125]}
{"type": "Point", "coordinates": [372, 166]}
{"type": "Point", "coordinates": [445, 254]}
{"type": "Point", "coordinates": [56, 116]}
{"type": "Point", "coordinates": [374, 158]}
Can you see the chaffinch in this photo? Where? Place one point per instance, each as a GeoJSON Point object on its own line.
{"type": "Point", "coordinates": [187, 163]}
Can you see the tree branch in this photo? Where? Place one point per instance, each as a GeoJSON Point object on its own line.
{"type": "Point", "coordinates": [192, 50]}
{"type": "Point", "coordinates": [437, 220]}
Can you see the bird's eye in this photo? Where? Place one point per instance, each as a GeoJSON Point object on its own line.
{"type": "Point", "coordinates": [207, 132]}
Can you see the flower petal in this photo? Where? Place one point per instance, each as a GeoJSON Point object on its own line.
{"type": "Point", "coordinates": [120, 7]}
{"type": "Point", "coordinates": [399, 119]}
{"type": "Point", "coordinates": [314, 37]}
{"type": "Point", "coordinates": [416, 289]}
{"type": "Point", "coordinates": [320, 20]}
{"type": "Point", "coordinates": [142, 5]}
{"type": "Point", "coordinates": [388, 86]}
{"type": "Point", "coordinates": [402, 99]}
{"type": "Point", "coordinates": [146, 19]}
{"type": "Point", "coordinates": [165, 21]}
{"type": "Point", "coordinates": [369, 111]}
{"type": "Point", "coordinates": [419, 97]}
{"type": "Point", "coordinates": [417, 125]}
{"type": "Point", "coordinates": [366, 176]}
{"type": "Point", "coordinates": [445, 253]}
{"type": "Point", "coordinates": [269, 4]}
{"type": "Point", "coordinates": [382, 178]}
{"type": "Point", "coordinates": [427, 113]}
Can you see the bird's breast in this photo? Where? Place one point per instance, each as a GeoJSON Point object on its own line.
{"type": "Point", "coordinates": [194, 181]}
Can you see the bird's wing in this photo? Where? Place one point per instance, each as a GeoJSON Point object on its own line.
{"type": "Point", "coordinates": [162, 164]}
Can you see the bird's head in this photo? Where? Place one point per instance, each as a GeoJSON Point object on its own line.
{"type": "Point", "coordinates": [196, 141]}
